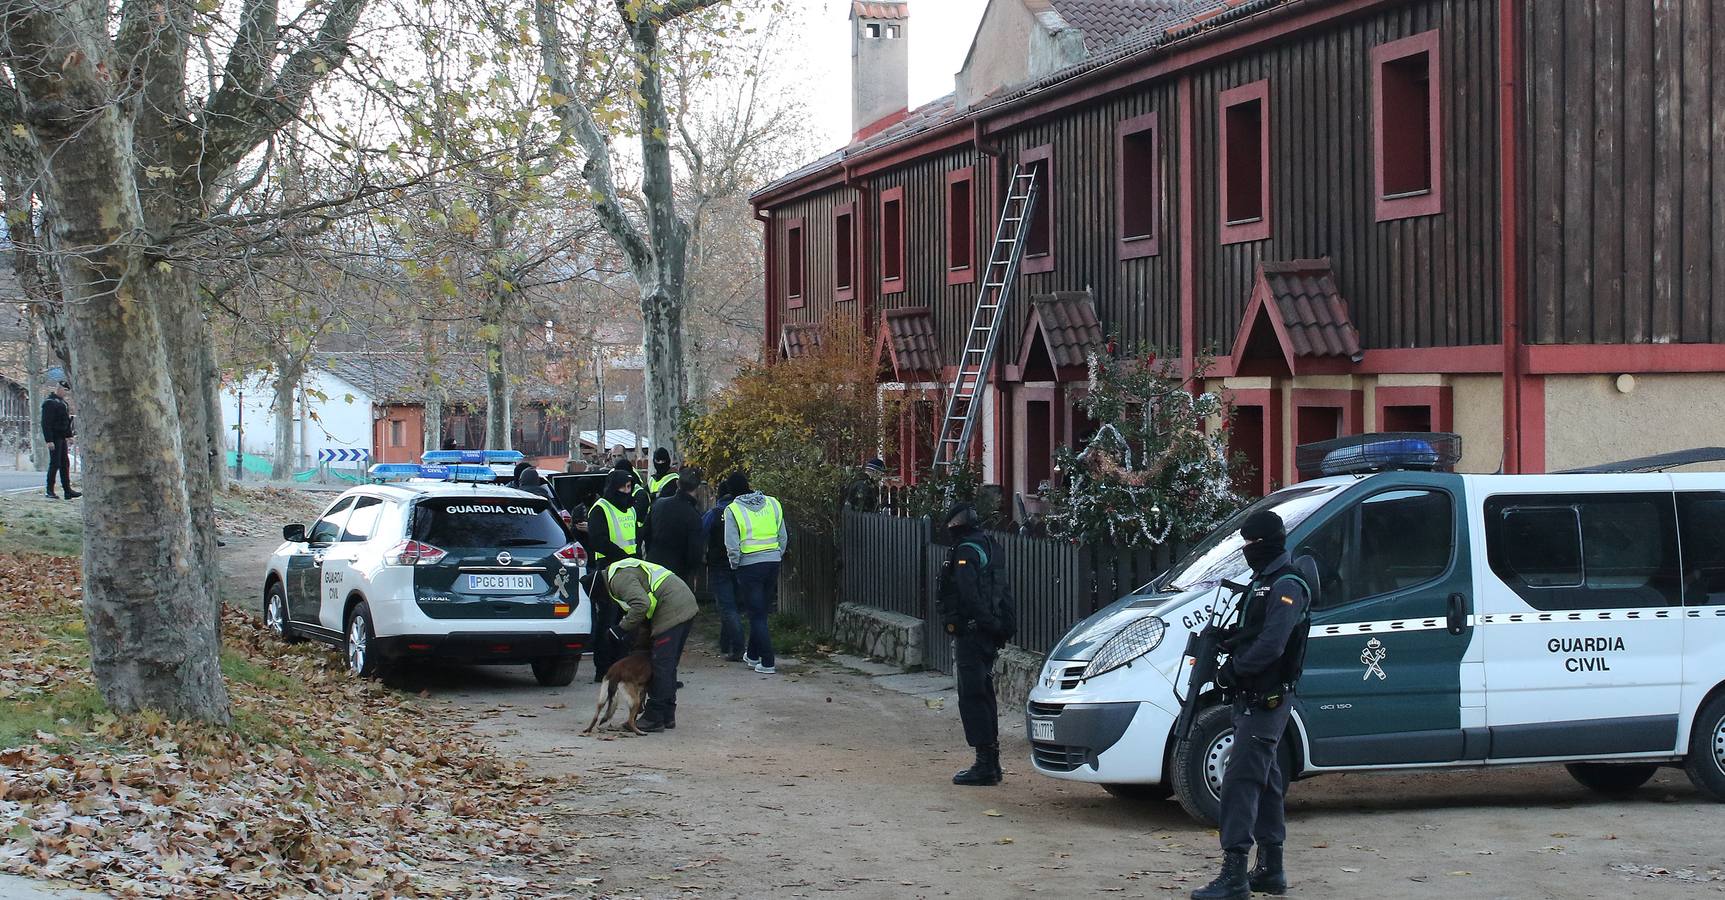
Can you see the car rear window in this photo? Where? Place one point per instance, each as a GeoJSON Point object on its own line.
{"type": "Point", "coordinates": [487, 522]}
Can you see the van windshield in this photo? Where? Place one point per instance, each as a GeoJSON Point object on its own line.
{"type": "Point", "coordinates": [1218, 556]}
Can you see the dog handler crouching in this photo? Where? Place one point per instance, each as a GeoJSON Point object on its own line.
{"type": "Point", "coordinates": [1264, 659]}
{"type": "Point", "coordinates": [653, 595]}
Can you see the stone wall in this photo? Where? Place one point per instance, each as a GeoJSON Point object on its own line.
{"type": "Point", "coordinates": [1015, 674]}
{"type": "Point", "coordinates": [878, 634]}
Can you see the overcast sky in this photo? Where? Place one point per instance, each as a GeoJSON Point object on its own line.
{"type": "Point", "coordinates": [940, 32]}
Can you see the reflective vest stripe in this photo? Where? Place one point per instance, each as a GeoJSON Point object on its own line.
{"type": "Point", "coordinates": [656, 575]}
{"type": "Point", "coordinates": [621, 524]}
{"type": "Point", "coordinates": [759, 530]}
{"type": "Point", "coordinates": [658, 484]}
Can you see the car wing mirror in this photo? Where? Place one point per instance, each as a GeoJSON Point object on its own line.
{"type": "Point", "coordinates": [294, 533]}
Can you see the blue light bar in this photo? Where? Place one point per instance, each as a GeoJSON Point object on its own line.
{"type": "Point", "coordinates": [475, 457]}
{"type": "Point", "coordinates": [418, 472]}
{"type": "Point", "coordinates": [1367, 453]}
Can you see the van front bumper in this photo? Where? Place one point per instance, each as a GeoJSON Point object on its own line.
{"type": "Point", "coordinates": [1112, 743]}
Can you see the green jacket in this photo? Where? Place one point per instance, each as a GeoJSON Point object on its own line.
{"type": "Point", "coordinates": [676, 600]}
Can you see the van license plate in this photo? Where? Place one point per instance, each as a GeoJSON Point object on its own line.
{"type": "Point", "coordinates": [1042, 729]}
{"type": "Point", "coordinates": [502, 583]}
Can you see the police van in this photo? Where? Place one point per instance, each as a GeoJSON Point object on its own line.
{"type": "Point", "coordinates": [439, 563]}
{"type": "Point", "coordinates": [1463, 620]}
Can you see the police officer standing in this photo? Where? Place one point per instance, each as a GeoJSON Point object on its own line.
{"type": "Point", "coordinates": [611, 536]}
{"type": "Point", "coordinates": [1265, 655]}
{"type": "Point", "coordinates": [972, 613]}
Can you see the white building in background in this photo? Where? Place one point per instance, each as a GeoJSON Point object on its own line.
{"type": "Point", "coordinates": [341, 416]}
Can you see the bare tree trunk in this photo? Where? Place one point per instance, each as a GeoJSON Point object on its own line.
{"type": "Point", "coordinates": [286, 388]}
{"type": "Point", "coordinates": [499, 417]}
{"type": "Point", "coordinates": [214, 428]}
{"type": "Point", "coordinates": [148, 610]}
{"type": "Point", "coordinates": [662, 315]}
{"type": "Point", "coordinates": [33, 384]}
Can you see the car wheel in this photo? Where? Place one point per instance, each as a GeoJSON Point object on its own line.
{"type": "Point", "coordinates": [1141, 793]}
{"type": "Point", "coordinates": [276, 614]}
{"type": "Point", "coordinates": [1706, 760]}
{"type": "Point", "coordinates": [556, 671]}
{"type": "Point", "coordinates": [1613, 779]}
{"type": "Point", "coordinates": [361, 654]}
{"type": "Point", "coordinates": [1200, 761]}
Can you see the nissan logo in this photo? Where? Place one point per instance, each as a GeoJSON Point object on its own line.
{"type": "Point", "coordinates": [504, 558]}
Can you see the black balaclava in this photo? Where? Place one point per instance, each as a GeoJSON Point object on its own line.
{"type": "Point", "coordinates": [661, 462]}
{"type": "Point", "coordinates": [1267, 537]}
{"type": "Point", "coordinates": [618, 488]}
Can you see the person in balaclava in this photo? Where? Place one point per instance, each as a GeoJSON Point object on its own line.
{"type": "Point", "coordinates": [663, 481]}
{"type": "Point", "coordinates": [969, 601]}
{"type": "Point", "coordinates": [1265, 656]}
{"type": "Point", "coordinates": [612, 535]}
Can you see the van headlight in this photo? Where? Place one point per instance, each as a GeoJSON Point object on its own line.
{"type": "Point", "coordinates": [1133, 641]}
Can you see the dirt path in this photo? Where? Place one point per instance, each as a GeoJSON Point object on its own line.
{"type": "Point", "coordinates": [822, 780]}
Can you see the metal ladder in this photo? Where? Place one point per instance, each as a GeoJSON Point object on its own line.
{"type": "Point", "coordinates": [959, 423]}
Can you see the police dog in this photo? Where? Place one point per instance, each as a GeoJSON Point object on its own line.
{"type": "Point", "coordinates": [632, 674]}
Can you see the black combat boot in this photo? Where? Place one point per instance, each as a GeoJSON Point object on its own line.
{"type": "Point", "coordinates": [1231, 884]}
{"type": "Point", "coordinates": [1268, 877]}
{"type": "Point", "coordinates": [985, 771]}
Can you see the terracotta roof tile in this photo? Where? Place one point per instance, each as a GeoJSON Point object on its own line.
{"type": "Point", "coordinates": [1312, 310]}
{"type": "Point", "coordinates": [1105, 22]}
{"type": "Point", "coordinates": [1069, 326]}
{"type": "Point", "coordinates": [912, 341]}
{"type": "Point", "coordinates": [799, 340]}
{"type": "Point", "coordinates": [880, 9]}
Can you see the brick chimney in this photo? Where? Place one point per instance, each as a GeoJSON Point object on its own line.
{"type": "Point", "coordinates": [880, 64]}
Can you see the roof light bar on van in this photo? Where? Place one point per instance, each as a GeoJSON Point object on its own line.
{"type": "Point", "coordinates": [474, 457]}
{"type": "Point", "coordinates": [417, 472]}
{"type": "Point", "coordinates": [1382, 452]}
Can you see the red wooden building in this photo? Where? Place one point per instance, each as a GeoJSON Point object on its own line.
{"type": "Point", "coordinates": [1504, 218]}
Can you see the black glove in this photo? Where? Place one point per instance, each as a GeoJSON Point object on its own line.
{"type": "Point", "coordinates": [1226, 677]}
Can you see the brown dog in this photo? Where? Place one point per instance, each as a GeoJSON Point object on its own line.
{"type": "Point", "coordinates": [632, 673]}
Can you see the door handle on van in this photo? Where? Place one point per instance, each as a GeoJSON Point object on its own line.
{"type": "Point", "coordinates": [1457, 614]}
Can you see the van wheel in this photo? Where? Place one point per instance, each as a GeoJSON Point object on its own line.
{"type": "Point", "coordinates": [1611, 779]}
{"type": "Point", "coordinates": [556, 671]}
{"type": "Point", "coordinates": [1141, 793]}
{"type": "Point", "coordinates": [1200, 761]}
{"type": "Point", "coordinates": [1706, 760]}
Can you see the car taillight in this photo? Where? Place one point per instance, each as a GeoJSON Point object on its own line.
{"type": "Point", "coordinates": [568, 520]}
{"type": "Point", "coordinates": [413, 553]}
{"type": "Point", "coordinates": [573, 555]}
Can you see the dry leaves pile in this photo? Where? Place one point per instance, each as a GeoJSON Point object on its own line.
{"type": "Point", "coordinates": [323, 786]}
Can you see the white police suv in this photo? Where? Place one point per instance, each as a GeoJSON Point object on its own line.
{"type": "Point", "coordinates": [439, 566]}
{"type": "Point", "coordinates": [1462, 620]}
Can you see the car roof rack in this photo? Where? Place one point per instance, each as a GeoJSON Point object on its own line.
{"type": "Point", "coordinates": [1379, 452]}
{"type": "Point", "coordinates": [1658, 462]}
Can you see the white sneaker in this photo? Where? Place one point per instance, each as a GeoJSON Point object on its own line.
{"type": "Point", "coordinates": [766, 670]}
{"type": "Point", "coordinates": [751, 661]}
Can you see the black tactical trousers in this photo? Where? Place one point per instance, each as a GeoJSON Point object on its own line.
{"type": "Point", "coordinates": [974, 654]}
{"type": "Point", "coordinates": [606, 613]}
{"type": "Point", "coordinates": [1254, 786]}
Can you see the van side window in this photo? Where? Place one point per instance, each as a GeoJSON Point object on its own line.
{"type": "Point", "coordinates": [328, 528]}
{"type": "Point", "coordinates": [362, 523]}
{"type": "Point", "coordinates": [1701, 520]}
{"type": "Point", "coordinates": [1585, 551]}
{"type": "Point", "coordinates": [1387, 543]}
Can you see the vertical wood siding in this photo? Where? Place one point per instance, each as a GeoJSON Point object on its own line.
{"type": "Point", "coordinates": [1417, 282]}
{"type": "Point", "coordinates": [925, 224]}
{"type": "Point", "coordinates": [820, 279]}
{"type": "Point", "coordinates": [1138, 300]}
{"type": "Point", "coordinates": [1625, 171]}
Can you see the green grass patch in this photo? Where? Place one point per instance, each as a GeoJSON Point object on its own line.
{"type": "Point", "coordinates": [239, 668]}
{"type": "Point", "coordinates": [72, 707]}
{"type": "Point", "coordinates": [793, 637]}
{"type": "Point", "coordinates": [39, 525]}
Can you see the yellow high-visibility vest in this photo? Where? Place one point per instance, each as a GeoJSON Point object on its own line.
{"type": "Point", "coordinates": [657, 485]}
{"type": "Point", "coordinates": [621, 523]}
{"type": "Point", "coordinates": [656, 575]}
{"type": "Point", "coordinates": [759, 530]}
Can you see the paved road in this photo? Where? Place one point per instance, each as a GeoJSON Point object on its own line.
{"type": "Point", "coordinates": [13, 481]}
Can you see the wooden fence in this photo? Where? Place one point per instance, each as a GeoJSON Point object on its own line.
{"type": "Point", "coordinates": [894, 563]}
